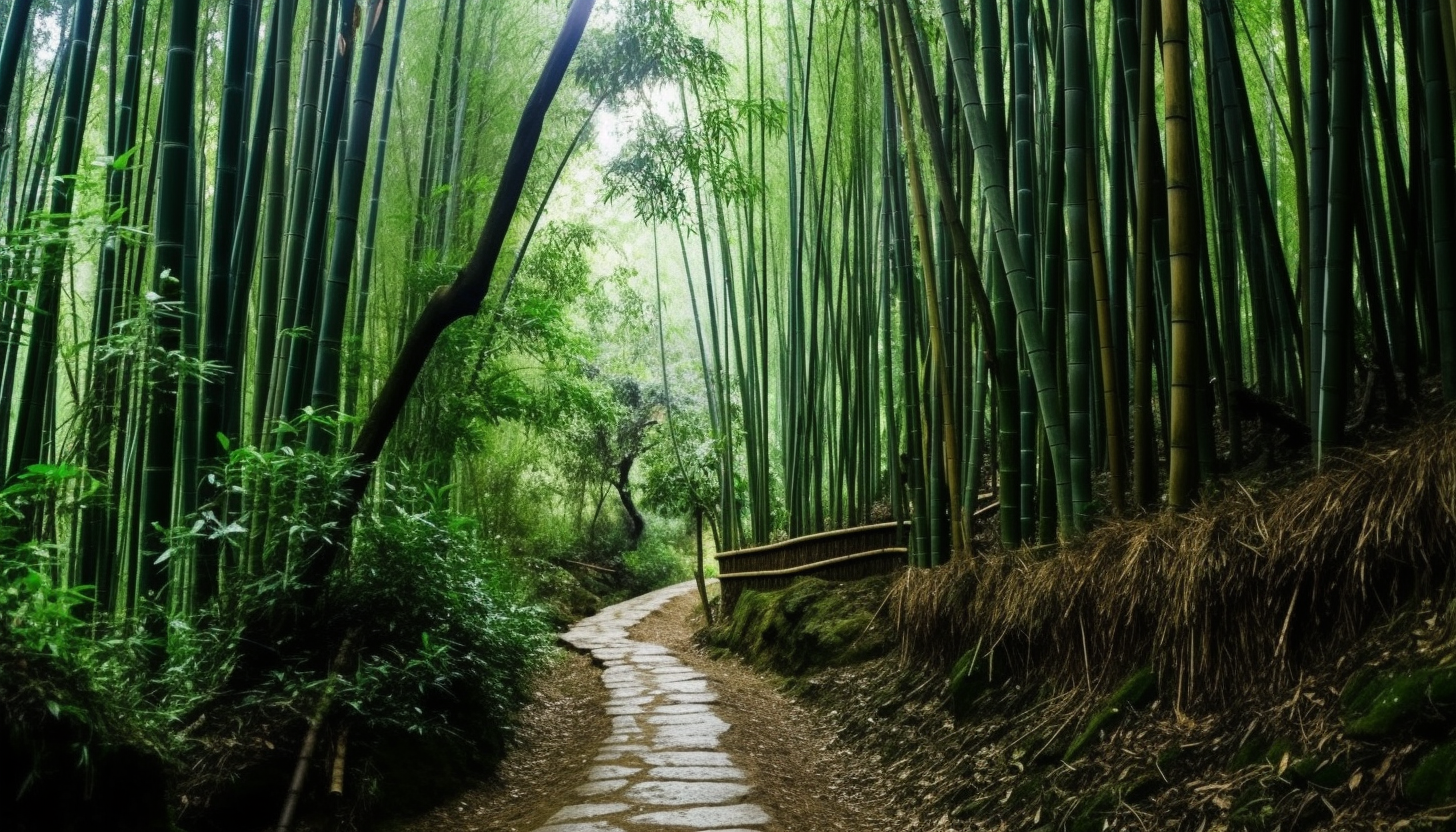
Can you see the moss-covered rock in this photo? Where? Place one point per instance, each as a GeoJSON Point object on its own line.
{"type": "Point", "coordinates": [1138, 689]}
{"type": "Point", "coordinates": [1376, 706]}
{"type": "Point", "coordinates": [1433, 781]}
{"type": "Point", "coordinates": [970, 678]}
{"type": "Point", "coordinates": [810, 625]}
{"type": "Point", "coordinates": [1317, 772]}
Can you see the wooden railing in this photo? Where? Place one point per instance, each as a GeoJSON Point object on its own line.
{"type": "Point", "coordinates": [841, 555]}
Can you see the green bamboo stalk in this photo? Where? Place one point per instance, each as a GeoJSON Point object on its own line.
{"type": "Point", "coordinates": [994, 190]}
{"type": "Point", "coordinates": [326, 381]}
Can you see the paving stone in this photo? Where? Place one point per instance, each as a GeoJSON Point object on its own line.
{"type": "Point", "coordinates": [684, 686]}
{"type": "Point", "coordinates": [611, 772]}
{"type": "Point", "coordinates": [682, 709]}
{"type": "Point", "coordinates": [588, 810]}
{"type": "Point", "coordinates": [693, 698]}
{"type": "Point", "coordinates": [613, 756]}
{"type": "Point", "coordinates": [687, 719]}
{"type": "Point", "coordinates": [696, 773]}
{"type": "Point", "coordinates": [707, 817]}
{"type": "Point", "coordinates": [685, 733]}
{"type": "Point", "coordinates": [624, 710]}
{"type": "Point", "coordinates": [687, 758]}
{"type": "Point", "coordinates": [685, 793]}
{"type": "Point", "coordinates": [600, 787]}
{"type": "Point", "coordinates": [598, 826]}
{"type": "Point", "coordinates": [624, 724]}
{"type": "Point", "coordinates": [685, 742]}
{"type": "Point", "coordinates": [629, 747]}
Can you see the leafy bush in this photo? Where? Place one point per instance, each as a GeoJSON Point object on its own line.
{"type": "Point", "coordinates": [448, 640]}
{"type": "Point", "coordinates": [654, 563]}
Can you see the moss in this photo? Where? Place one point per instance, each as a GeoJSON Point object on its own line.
{"type": "Point", "coordinates": [1383, 705]}
{"type": "Point", "coordinates": [1317, 772]}
{"type": "Point", "coordinates": [1433, 781]}
{"type": "Point", "coordinates": [1359, 691]}
{"type": "Point", "coordinates": [1169, 757]}
{"type": "Point", "coordinates": [1143, 788]}
{"type": "Point", "coordinates": [1091, 814]}
{"type": "Point", "coordinates": [1253, 809]}
{"type": "Point", "coordinates": [970, 678]}
{"type": "Point", "coordinates": [1139, 689]}
{"type": "Point", "coordinates": [810, 625]}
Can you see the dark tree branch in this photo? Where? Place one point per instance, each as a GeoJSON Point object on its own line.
{"type": "Point", "coordinates": [463, 297]}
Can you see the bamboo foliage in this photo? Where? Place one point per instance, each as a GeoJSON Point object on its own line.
{"type": "Point", "coordinates": [898, 235]}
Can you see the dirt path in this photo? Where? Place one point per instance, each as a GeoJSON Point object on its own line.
{"type": "Point", "coordinates": [664, 738]}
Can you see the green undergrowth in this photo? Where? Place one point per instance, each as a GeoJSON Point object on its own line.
{"type": "Point", "coordinates": [170, 721]}
{"type": "Point", "coordinates": [1365, 739]}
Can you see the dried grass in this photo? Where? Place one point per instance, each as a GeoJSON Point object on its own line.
{"type": "Point", "coordinates": [1236, 595]}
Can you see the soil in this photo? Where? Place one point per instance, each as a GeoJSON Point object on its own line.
{"type": "Point", "coordinates": [803, 776]}
{"type": "Point", "coordinates": [557, 736]}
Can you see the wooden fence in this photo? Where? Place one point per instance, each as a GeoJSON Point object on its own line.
{"type": "Point", "coordinates": [842, 555]}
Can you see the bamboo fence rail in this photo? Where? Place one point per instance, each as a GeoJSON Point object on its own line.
{"type": "Point", "coordinates": [841, 555]}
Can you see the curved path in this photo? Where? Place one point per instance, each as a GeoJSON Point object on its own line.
{"type": "Point", "coordinates": [662, 768]}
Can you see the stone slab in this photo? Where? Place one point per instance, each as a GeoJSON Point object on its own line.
{"type": "Point", "coordinates": [696, 773]}
{"type": "Point", "coordinates": [611, 772]}
{"type": "Point", "coordinates": [685, 793]}
{"type": "Point", "coordinates": [588, 810]}
{"type": "Point", "coordinates": [687, 758]}
{"type": "Point", "coordinates": [707, 817]}
{"type": "Point", "coordinates": [600, 787]}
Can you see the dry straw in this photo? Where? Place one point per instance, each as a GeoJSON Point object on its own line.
{"type": "Point", "coordinates": [1234, 596]}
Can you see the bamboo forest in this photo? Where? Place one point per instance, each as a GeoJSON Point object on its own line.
{"type": "Point", "coordinates": [775, 415]}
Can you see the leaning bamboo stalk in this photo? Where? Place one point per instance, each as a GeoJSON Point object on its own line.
{"type": "Point", "coordinates": [310, 739]}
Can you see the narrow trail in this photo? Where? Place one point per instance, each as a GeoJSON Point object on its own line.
{"type": "Point", "coordinates": [663, 765]}
{"type": "Point", "coordinates": [645, 733]}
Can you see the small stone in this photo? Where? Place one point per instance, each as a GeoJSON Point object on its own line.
{"type": "Point", "coordinates": [707, 817]}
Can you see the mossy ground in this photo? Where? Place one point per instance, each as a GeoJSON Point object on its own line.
{"type": "Point", "coordinates": [1365, 740]}
{"type": "Point", "coordinates": [809, 626]}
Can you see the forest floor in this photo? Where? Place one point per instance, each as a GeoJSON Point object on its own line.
{"type": "Point", "coordinates": [795, 770]}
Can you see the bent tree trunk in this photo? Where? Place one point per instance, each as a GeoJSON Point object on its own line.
{"type": "Point", "coordinates": [636, 523]}
{"type": "Point", "coordinates": [463, 297]}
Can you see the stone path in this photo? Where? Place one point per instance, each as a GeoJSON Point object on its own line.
{"type": "Point", "coordinates": [662, 768]}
